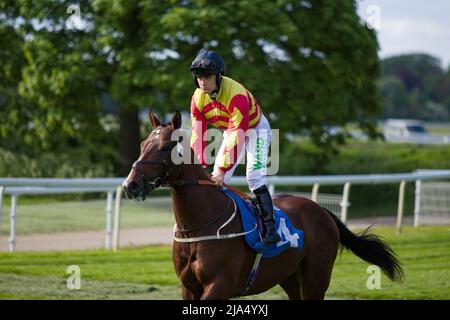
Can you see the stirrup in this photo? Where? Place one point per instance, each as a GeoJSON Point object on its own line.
{"type": "Point", "coordinates": [272, 236]}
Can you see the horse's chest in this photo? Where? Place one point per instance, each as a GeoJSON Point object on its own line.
{"type": "Point", "coordinates": [192, 269]}
{"type": "Point", "coordinates": [191, 274]}
{"type": "Point", "coordinates": [185, 260]}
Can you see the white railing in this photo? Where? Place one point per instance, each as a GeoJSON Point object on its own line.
{"type": "Point", "coordinates": [20, 186]}
{"type": "Point", "coordinates": [16, 191]}
{"type": "Point", "coordinates": [432, 200]}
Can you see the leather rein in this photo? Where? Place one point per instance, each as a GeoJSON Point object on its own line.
{"type": "Point", "coordinates": [164, 181]}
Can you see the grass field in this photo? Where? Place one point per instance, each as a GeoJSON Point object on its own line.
{"type": "Point", "coordinates": [34, 216]}
{"type": "Point", "coordinates": [147, 273]}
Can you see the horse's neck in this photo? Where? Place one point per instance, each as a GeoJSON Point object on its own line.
{"type": "Point", "coordinates": [194, 205]}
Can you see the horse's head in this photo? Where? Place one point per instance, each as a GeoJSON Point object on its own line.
{"type": "Point", "coordinates": [154, 165]}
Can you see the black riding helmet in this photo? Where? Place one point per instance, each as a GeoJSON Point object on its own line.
{"type": "Point", "coordinates": [207, 63]}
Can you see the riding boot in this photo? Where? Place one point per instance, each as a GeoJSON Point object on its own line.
{"type": "Point", "coordinates": [264, 201]}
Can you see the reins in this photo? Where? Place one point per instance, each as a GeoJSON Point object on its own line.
{"type": "Point", "coordinates": [209, 223]}
{"type": "Point", "coordinates": [164, 181]}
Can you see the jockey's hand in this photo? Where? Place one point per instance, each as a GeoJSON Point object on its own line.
{"type": "Point", "coordinates": [218, 176]}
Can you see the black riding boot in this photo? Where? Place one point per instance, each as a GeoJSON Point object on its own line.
{"type": "Point", "coordinates": [264, 201]}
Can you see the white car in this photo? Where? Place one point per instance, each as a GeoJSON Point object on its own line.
{"type": "Point", "coordinates": [412, 131]}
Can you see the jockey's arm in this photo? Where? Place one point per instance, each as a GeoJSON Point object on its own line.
{"type": "Point", "coordinates": [235, 139]}
{"type": "Point", "coordinates": [199, 125]}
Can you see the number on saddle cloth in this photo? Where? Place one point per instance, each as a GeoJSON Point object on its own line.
{"type": "Point", "coordinates": [290, 236]}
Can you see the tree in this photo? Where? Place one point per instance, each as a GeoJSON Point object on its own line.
{"type": "Point", "coordinates": [13, 110]}
{"type": "Point", "coordinates": [395, 98]}
{"type": "Point", "coordinates": [423, 89]}
{"type": "Point", "coordinates": [58, 101]}
{"type": "Point", "coordinates": [309, 64]}
{"type": "Point", "coordinates": [68, 69]}
{"type": "Point", "coordinates": [412, 68]}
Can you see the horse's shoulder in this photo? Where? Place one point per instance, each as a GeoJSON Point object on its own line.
{"type": "Point", "coordinates": [285, 199]}
{"type": "Point", "coordinates": [299, 209]}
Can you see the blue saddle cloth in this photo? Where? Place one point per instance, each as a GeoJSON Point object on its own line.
{"type": "Point", "coordinates": [290, 236]}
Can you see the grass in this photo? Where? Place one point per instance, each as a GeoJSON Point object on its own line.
{"type": "Point", "coordinates": [52, 215]}
{"type": "Point", "coordinates": [147, 273]}
{"type": "Point", "coordinates": [61, 216]}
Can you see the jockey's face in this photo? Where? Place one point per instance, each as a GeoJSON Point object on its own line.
{"type": "Point", "coordinates": [208, 83]}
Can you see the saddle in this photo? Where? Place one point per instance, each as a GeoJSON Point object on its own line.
{"type": "Point", "coordinates": [253, 223]}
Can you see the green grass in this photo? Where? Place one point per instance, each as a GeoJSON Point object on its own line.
{"type": "Point", "coordinates": [51, 215]}
{"type": "Point", "coordinates": [438, 128]}
{"type": "Point", "coordinates": [61, 216]}
{"type": "Point", "coordinates": [147, 273]}
{"type": "Point", "coordinates": [425, 255]}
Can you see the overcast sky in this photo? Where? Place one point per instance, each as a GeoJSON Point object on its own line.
{"type": "Point", "coordinates": [407, 26]}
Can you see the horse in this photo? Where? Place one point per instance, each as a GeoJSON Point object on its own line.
{"type": "Point", "coordinates": [219, 269]}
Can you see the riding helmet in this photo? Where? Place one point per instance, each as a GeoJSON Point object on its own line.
{"type": "Point", "coordinates": [207, 63]}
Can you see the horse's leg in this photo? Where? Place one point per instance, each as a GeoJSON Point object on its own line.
{"type": "Point", "coordinates": [215, 291]}
{"type": "Point", "coordinates": [315, 276]}
{"type": "Point", "coordinates": [292, 287]}
{"type": "Point", "coordinates": [188, 294]}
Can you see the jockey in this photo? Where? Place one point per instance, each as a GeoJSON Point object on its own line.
{"type": "Point", "coordinates": [228, 105]}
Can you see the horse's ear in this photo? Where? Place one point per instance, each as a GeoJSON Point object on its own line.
{"type": "Point", "coordinates": [154, 120]}
{"type": "Point", "coordinates": [176, 120]}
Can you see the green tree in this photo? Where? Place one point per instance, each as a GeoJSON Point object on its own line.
{"type": "Point", "coordinates": [395, 97]}
{"type": "Point", "coordinates": [308, 63]}
{"type": "Point", "coordinates": [426, 87]}
{"type": "Point", "coordinates": [13, 110]}
{"type": "Point", "coordinates": [58, 103]}
{"type": "Point", "coordinates": [68, 68]}
{"type": "Point", "coordinates": [411, 68]}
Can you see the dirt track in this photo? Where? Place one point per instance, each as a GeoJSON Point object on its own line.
{"type": "Point", "coordinates": [88, 240]}
{"type": "Point", "coordinates": [130, 237]}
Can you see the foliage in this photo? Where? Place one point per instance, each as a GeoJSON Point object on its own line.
{"type": "Point", "coordinates": [365, 158]}
{"type": "Point", "coordinates": [415, 86]}
{"type": "Point", "coordinates": [309, 64]}
{"type": "Point", "coordinates": [71, 164]}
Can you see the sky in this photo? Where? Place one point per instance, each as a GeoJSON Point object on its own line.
{"type": "Point", "coordinates": [410, 26]}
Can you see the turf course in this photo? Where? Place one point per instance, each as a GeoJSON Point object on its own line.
{"type": "Point", "coordinates": [61, 216]}
{"type": "Point", "coordinates": [147, 273]}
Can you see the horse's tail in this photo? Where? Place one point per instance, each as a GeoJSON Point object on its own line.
{"type": "Point", "coordinates": [370, 248]}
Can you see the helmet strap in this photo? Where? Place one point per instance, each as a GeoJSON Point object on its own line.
{"type": "Point", "coordinates": [196, 82]}
{"type": "Point", "coordinates": [213, 95]}
{"type": "Point", "coordinates": [218, 81]}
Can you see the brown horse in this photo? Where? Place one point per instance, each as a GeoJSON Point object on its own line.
{"type": "Point", "coordinates": [219, 269]}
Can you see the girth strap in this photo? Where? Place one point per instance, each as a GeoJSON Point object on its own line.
{"type": "Point", "coordinates": [252, 276]}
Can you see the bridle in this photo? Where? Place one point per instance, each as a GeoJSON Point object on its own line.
{"type": "Point", "coordinates": [161, 181]}
{"type": "Point", "coordinates": [165, 181]}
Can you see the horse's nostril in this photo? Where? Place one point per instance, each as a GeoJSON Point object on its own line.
{"type": "Point", "coordinates": [130, 189]}
{"type": "Point", "coordinates": [132, 186]}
